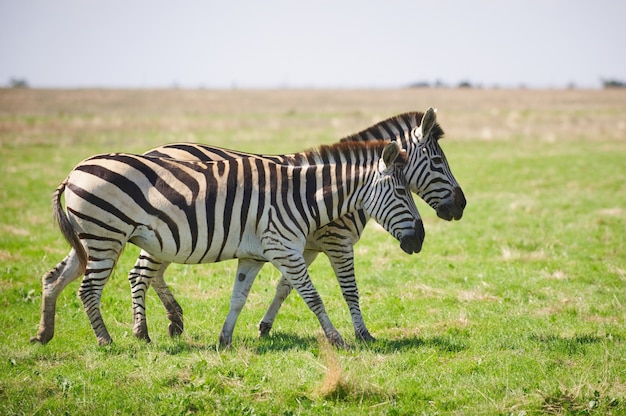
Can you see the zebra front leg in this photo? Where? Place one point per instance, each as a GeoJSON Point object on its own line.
{"type": "Point", "coordinates": [90, 293]}
{"type": "Point", "coordinates": [341, 258]}
{"type": "Point", "coordinates": [53, 282]}
{"type": "Point", "coordinates": [247, 270]}
{"type": "Point", "coordinates": [283, 289]}
{"type": "Point", "coordinates": [294, 269]}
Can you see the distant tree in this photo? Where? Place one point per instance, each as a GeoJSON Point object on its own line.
{"type": "Point", "coordinates": [419, 84]}
{"type": "Point", "coordinates": [465, 84]}
{"type": "Point", "coordinates": [613, 83]}
{"type": "Point", "coordinates": [18, 83]}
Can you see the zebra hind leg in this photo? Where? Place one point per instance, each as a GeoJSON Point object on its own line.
{"type": "Point", "coordinates": [172, 307]}
{"type": "Point", "coordinates": [138, 277]}
{"type": "Point", "coordinates": [146, 270]}
{"type": "Point", "coordinates": [53, 282]}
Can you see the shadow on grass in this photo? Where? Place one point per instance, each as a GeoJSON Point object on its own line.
{"type": "Point", "coordinates": [571, 345]}
{"type": "Point", "coordinates": [443, 343]}
{"type": "Point", "coordinates": [172, 346]}
{"type": "Point", "coordinates": [277, 341]}
{"type": "Point", "coordinates": [283, 341]}
{"type": "Point", "coordinates": [280, 341]}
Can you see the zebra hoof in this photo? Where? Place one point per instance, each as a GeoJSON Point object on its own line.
{"type": "Point", "coordinates": [225, 342]}
{"type": "Point", "coordinates": [103, 342]}
{"type": "Point", "coordinates": [38, 340]}
{"type": "Point", "coordinates": [175, 329]}
{"type": "Point", "coordinates": [264, 329]}
{"type": "Point", "coordinates": [365, 336]}
{"type": "Point", "coordinates": [335, 340]}
{"type": "Point", "coordinates": [142, 334]}
{"type": "Point", "coordinates": [43, 337]}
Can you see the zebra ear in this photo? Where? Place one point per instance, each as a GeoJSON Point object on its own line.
{"type": "Point", "coordinates": [428, 122]}
{"type": "Point", "coordinates": [390, 154]}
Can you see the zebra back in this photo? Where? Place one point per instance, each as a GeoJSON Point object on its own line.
{"type": "Point", "coordinates": [427, 170]}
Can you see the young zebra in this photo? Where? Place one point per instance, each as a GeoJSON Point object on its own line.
{"type": "Point", "coordinates": [200, 212]}
{"type": "Point", "coordinates": [429, 176]}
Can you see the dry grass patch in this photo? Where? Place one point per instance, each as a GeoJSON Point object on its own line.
{"type": "Point", "coordinates": [341, 385]}
{"type": "Point", "coordinates": [612, 212]}
{"type": "Point", "coordinates": [477, 294]}
{"type": "Point", "coordinates": [513, 254]}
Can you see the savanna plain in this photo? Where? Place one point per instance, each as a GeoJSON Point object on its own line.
{"type": "Point", "coordinates": [519, 308]}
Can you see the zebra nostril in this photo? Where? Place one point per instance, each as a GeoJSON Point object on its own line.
{"type": "Point", "coordinates": [419, 230]}
{"type": "Point", "coordinates": [459, 198]}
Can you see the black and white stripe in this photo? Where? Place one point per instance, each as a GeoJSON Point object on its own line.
{"type": "Point", "coordinates": [428, 175]}
{"type": "Point", "coordinates": [200, 212]}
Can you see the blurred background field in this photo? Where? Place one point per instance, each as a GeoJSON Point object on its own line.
{"type": "Point", "coordinates": [519, 307]}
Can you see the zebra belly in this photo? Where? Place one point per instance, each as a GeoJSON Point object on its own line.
{"type": "Point", "coordinates": [246, 247]}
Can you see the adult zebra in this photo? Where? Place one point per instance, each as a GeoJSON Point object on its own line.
{"type": "Point", "coordinates": [199, 212]}
{"type": "Point", "coordinates": [429, 176]}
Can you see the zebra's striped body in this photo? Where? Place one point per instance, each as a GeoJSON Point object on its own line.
{"type": "Point", "coordinates": [430, 177]}
{"type": "Point", "coordinates": [200, 212]}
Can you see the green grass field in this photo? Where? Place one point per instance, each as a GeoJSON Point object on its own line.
{"type": "Point", "coordinates": [519, 308]}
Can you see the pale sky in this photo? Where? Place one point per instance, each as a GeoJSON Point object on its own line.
{"type": "Point", "coordinates": [321, 44]}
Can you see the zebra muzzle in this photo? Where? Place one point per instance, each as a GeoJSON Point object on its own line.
{"type": "Point", "coordinates": [411, 241]}
{"type": "Point", "coordinates": [452, 208]}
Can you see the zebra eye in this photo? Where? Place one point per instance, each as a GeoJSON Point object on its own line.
{"type": "Point", "coordinates": [437, 159]}
{"type": "Point", "coordinates": [401, 191]}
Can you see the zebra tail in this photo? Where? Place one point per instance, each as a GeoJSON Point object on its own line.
{"type": "Point", "coordinates": [66, 228]}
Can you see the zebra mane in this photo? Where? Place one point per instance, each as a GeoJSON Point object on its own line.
{"type": "Point", "coordinates": [397, 127]}
{"type": "Point", "coordinates": [354, 151]}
